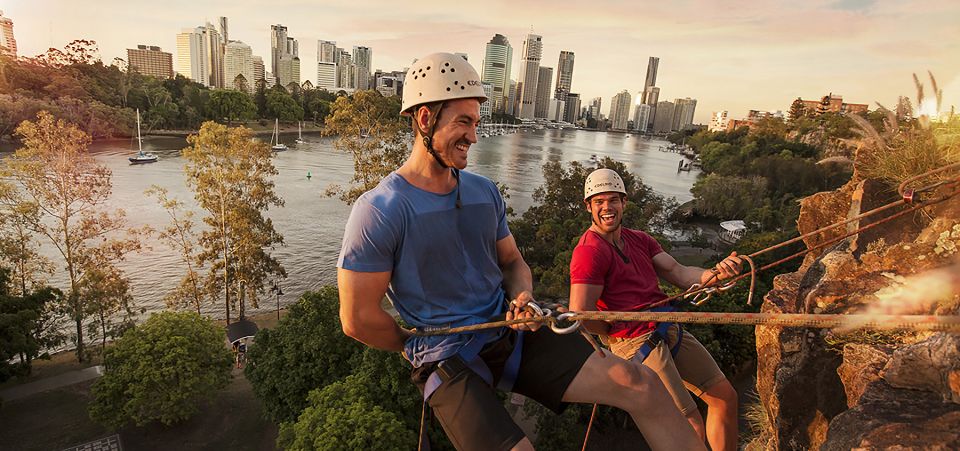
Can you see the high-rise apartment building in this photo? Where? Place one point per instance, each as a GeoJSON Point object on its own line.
{"type": "Point", "coordinates": [652, 65]}
{"type": "Point", "coordinates": [327, 51]}
{"type": "Point", "coordinates": [529, 74]}
{"type": "Point", "coordinates": [620, 110]}
{"type": "Point", "coordinates": [541, 108]}
{"type": "Point", "coordinates": [641, 117]}
{"type": "Point", "coordinates": [663, 122]}
{"type": "Point", "coordinates": [150, 60]}
{"type": "Point", "coordinates": [511, 107]}
{"type": "Point", "coordinates": [496, 71]}
{"type": "Point", "coordinates": [193, 61]}
{"type": "Point", "coordinates": [327, 76]}
{"type": "Point", "coordinates": [594, 109]}
{"type": "Point", "coordinates": [363, 62]}
{"type": "Point", "coordinates": [345, 72]}
{"type": "Point", "coordinates": [285, 53]}
{"type": "Point", "coordinates": [485, 107]}
{"type": "Point", "coordinates": [571, 108]}
{"type": "Point", "coordinates": [683, 110]}
{"type": "Point", "coordinates": [8, 44]}
{"type": "Point", "coordinates": [259, 71]}
{"type": "Point", "coordinates": [564, 75]}
{"type": "Point", "coordinates": [238, 67]}
{"type": "Point", "coordinates": [718, 121]}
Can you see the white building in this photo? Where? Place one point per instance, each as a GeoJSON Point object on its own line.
{"type": "Point", "coordinates": [8, 45]}
{"type": "Point", "coordinates": [683, 110]}
{"type": "Point", "coordinates": [641, 117]}
{"type": "Point", "coordinates": [496, 71]}
{"type": "Point", "coordinates": [529, 74]}
{"type": "Point", "coordinates": [485, 107]}
{"type": "Point", "coordinates": [718, 121]}
{"type": "Point", "coordinates": [193, 61]}
{"type": "Point", "coordinates": [620, 110]}
{"type": "Point", "coordinates": [327, 76]}
{"type": "Point", "coordinates": [285, 56]}
{"type": "Point", "coordinates": [238, 60]}
{"type": "Point", "coordinates": [555, 110]}
{"type": "Point", "coordinates": [363, 62]}
{"type": "Point", "coordinates": [259, 72]}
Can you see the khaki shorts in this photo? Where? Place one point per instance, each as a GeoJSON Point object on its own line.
{"type": "Point", "coordinates": [693, 369]}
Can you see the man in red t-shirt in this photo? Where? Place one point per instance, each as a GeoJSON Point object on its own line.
{"type": "Point", "coordinates": [617, 269]}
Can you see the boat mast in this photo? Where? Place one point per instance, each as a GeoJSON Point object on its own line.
{"type": "Point", "coordinates": [139, 140]}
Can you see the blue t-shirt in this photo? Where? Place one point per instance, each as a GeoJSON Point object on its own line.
{"type": "Point", "coordinates": [443, 258]}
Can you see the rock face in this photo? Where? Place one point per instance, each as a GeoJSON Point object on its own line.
{"type": "Point", "coordinates": [866, 390]}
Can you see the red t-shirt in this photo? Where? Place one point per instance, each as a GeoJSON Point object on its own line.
{"type": "Point", "coordinates": [626, 286]}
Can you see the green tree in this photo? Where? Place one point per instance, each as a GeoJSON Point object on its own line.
{"type": "Point", "coordinates": [107, 294]}
{"type": "Point", "coordinates": [797, 110]}
{"type": "Point", "coordinates": [305, 351]}
{"type": "Point", "coordinates": [334, 422]}
{"type": "Point", "coordinates": [369, 126]}
{"type": "Point", "coordinates": [728, 197]}
{"type": "Point", "coordinates": [231, 105]}
{"type": "Point", "coordinates": [18, 248]}
{"type": "Point", "coordinates": [279, 104]}
{"type": "Point", "coordinates": [59, 178]}
{"type": "Point", "coordinates": [161, 370]}
{"type": "Point", "coordinates": [230, 174]}
{"type": "Point", "coordinates": [24, 327]}
{"type": "Point", "coordinates": [179, 235]}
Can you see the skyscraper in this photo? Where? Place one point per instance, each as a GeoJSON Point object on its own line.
{"type": "Point", "coordinates": [237, 63]}
{"type": "Point", "coordinates": [284, 52]}
{"type": "Point", "coordinates": [363, 61]}
{"type": "Point", "coordinates": [214, 44]}
{"type": "Point", "coordinates": [8, 45]}
{"type": "Point", "coordinates": [718, 121]}
{"type": "Point", "coordinates": [223, 29]}
{"type": "Point", "coordinates": [529, 73]}
{"type": "Point", "coordinates": [192, 59]}
{"type": "Point", "coordinates": [594, 109]}
{"type": "Point", "coordinates": [683, 110]}
{"type": "Point", "coordinates": [541, 108]}
{"type": "Point", "coordinates": [663, 122]}
{"type": "Point", "coordinates": [511, 107]}
{"type": "Point", "coordinates": [259, 71]}
{"type": "Point", "coordinates": [641, 117]}
{"type": "Point", "coordinates": [345, 73]}
{"type": "Point", "coordinates": [652, 65]}
{"type": "Point", "coordinates": [652, 96]}
{"type": "Point", "coordinates": [496, 71]}
{"type": "Point", "coordinates": [564, 75]}
{"type": "Point", "coordinates": [620, 110]}
{"type": "Point", "coordinates": [571, 110]}
{"type": "Point", "coordinates": [150, 60]}
{"type": "Point", "coordinates": [485, 109]}
{"type": "Point", "coordinates": [327, 51]}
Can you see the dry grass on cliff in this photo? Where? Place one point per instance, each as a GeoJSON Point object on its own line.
{"type": "Point", "coordinates": [759, 423]}
{"type": "Point", "coordinates": [905, 150]}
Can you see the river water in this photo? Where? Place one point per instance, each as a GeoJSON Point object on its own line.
{"type": "Point", "coordinates": [312, 224]}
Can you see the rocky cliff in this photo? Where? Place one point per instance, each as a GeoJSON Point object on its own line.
{"type": "Point", "coordinates": [831, 390]}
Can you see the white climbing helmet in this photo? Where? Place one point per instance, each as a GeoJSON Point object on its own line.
{"type": "Point", "coordinates": [438, 77]}
{"type": "Point", "coordinates": [603, 181]}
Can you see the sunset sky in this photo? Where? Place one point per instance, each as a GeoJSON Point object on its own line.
{"type": "Point", "coordinates": [730, 55]}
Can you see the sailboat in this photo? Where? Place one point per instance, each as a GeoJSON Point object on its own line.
{"type": "Point", "coordinates": [141, 157]}
{"type": "Point", "coordinates": [275, 143]}
{"type": "Point", "coordinates": [299, 133]}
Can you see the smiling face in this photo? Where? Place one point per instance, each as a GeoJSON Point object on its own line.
{"type": "Point", "coordinates": [606, 211]}
{"type": "Point", "coordinates": [456, 131]}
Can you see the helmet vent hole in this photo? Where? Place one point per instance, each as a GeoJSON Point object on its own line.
{"type": "Point", "coordinates": [443, 71]}
{"type": "Point", "coordinates": [463, 87]}
{"type": "Point", "coordinates": [452, 70]}
{"type": "Point", "coordinates": [456, 82]}
{"type": "Point", "coordinates": [428, 67]}
{"type": "Point", "coordinates": [446, 64]}
{"type": "Point", "coordinates": [414, 77]}
{"type": "Point", "coordinates": [424, 75]}
{"type": "Point", "coordinates": [448, 88]}
{"type": "Point", "coordinates": [421, 94]}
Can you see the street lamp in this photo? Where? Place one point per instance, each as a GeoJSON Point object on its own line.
{"type": "Point", "coordinates": [276, 289]}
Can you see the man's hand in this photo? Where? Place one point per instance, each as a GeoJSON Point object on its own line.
{"type": "Point", "coordinates": [729, 267]}
{"type": "Point", "coordinates": [517, 311]}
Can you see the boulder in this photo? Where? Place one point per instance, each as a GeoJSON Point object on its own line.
{"type": "Point", "coordinates": [862, 364]}
{"type": "Point", "coordinates": [932, 364]}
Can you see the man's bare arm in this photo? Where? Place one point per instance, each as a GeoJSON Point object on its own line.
{"type": "Point", "coordinates": [583, 298]}
{"type": "Point", "coordinates": [517, 280]}
{"type": "Point", "coordinates": [361, 314]}
{"type": "Point", "coordinates": [684, 276]}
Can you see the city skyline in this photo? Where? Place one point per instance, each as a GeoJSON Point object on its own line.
{"type": "Point", "coordinates": [729, 57]}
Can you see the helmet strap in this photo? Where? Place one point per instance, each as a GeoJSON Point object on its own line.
{"type": "Point", "coordinates": [427, 133]}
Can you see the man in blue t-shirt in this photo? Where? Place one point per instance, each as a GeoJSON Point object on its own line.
{"type": "Point", "coordinates": [434, 239]}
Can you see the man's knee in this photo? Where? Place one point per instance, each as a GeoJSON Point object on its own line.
{"type": "Point", "coordinates": [639, 382]}
{"type": "Point", "coordinates": [721, 393]}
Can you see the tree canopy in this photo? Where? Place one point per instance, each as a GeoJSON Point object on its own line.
{"type": "Point", "coordinates": [161, 370]}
